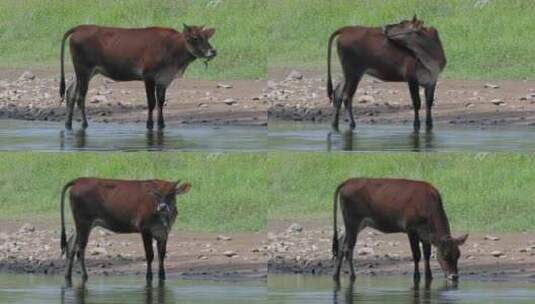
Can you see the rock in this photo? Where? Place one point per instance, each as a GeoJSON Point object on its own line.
{"type": "Point", "coordinates": [98, 251]}
{"type": "Point", "coordinates": [469, 105]}
{"type": "Point", "coordinates": [223, 238]}
{"type": "Point", "coordinates": [202, 105]}
{"type": "Point", "coordinates": [230, 101]}
{"type": "Point", "coordinates": [224, 86]}
{"type": "Point", "coordinates": [498, 102]}
{"type": "Point", "coordinates": [230, 253]}
{"type": "Point", "coordinates": [491, 238]}
{"type": "Point", "coordinates": [294, 75]}
{"type": "Point", "coordinates": [365, 99]}
{"type": "Point", "coordinates": [98, 99]}
{"type": "Point", "coordinates": [294, 228]}
{"type": "Point", "coordinates": [26, 228]}
{"type": "Point", "coordinates": [496, 253]}
{"type": "Point", "coordinates": [202, 257]}
{"type": "Point", "coordinates": [365, 251]}
{"type": "Point", "coordinates": [27, 75]}
{"type": "Point", "coordinates": [491, 86]}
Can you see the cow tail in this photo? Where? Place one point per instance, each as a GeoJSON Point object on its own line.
{"type": "Point", "coordinates": [63, 234]}
{"type": "Point", "coordinates": [329, 79]}
{"type": "Point", "coordinates": [335, 229]}
{"type": "Point", "coordinates": [62, 80]}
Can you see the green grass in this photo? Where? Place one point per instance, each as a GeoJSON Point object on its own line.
{"type": "Point", "coordinates": [494, 41]}
{"type": "Point", "coordinates": [241, 191]}
{"type": "Point", "coordinates": [31, 30]}
{"type": "Point", "coordinates": [481, 192]}
{"type": "Point", "coordinates": [224, 195]}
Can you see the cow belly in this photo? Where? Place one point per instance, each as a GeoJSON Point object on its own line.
{"type": "Point", "coordinates": [383, 226]}
{"type": "Point", "coordinates": [117, 227]}
{"type": "Point", "coordinates": [120, 73]}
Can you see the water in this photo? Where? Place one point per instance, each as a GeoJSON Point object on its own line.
{"type": "Point", "coordinates": [292, 289]}
{"type": "Point", "coordinates": [318, 137]}
{"type": "Point", "coordinates": [17, 135]}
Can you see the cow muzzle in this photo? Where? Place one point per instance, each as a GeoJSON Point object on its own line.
{"type": "Point", "coordinates": [210, 54]}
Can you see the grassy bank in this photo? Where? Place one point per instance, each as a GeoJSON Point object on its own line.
{"type": "Point", "coordinates": [490, 41]}
{"type": "Point", "coordinates": [224, 196]}
{"type": "Point", "coordinates": [31, 30]}
{"type": "Point", "coordinates": [481, 192]}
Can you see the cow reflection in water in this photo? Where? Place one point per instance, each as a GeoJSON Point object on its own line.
{"type": "Point", "coordinates": [414, 141]}
{"type": "Point", "coordinates": [154, 140]}
{"type": "Point", "coordinates": [151, 295]}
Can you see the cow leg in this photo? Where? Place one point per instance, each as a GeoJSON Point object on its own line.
{"type": "Point", "coordinates": [70, 99]}
{"type": "Point", "coordinates": [81, 91]}
{"type": "Point", "coordinates": [150, 89]}
{"type": "Point", "coordinates": [350, 87]}
{"type": "Point", "coordinates": [337, 103]}
{"type": "Point", "coordinates": [416, 103]}
{"type": "Point", "coordinates": [351, 241]}
{"type": "Point", "coordinates": [429, 98]}
{"type": "Point", "coordinates": [70, 261]}
{"type": "Point", "coordinates": [160, 94]}
{"type": "Point", "coordinates": [162, 247]}
{"type": "Point", "coordinates": [427, 256]}
{"type": "Point", "coordinates": [83, 237]}
{"type": "Point", "coordinates": [416, 255]}
{"type": "Point", "coordinates": [149, 253]}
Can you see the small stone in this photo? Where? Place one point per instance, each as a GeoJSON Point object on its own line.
{"type": "Point", "coordinates": [294, 75]}
{"type": "Point", "coordinates": [491, 238]}
{"type": "Point", "coordinates": [26, 228]}
{"type": "Point", "coordinates": [498, 102]}
{"type": "Point", "coordinates": [202, 257]}
{"type": "Point", "coordinates": [98, 251]}
{"type": "Point", "coordinates": [491, 86]}
{"type": "Point", "coordinates": [202, 105]}
{"type": "Point", "coordinates": [365, 251]}
{"type": "Point", "coordinates": [469, 105]}
{"type": "Point", "coordinates": [27, 75]}
{"type": "Point", "coordinates": [229, 101]}
{"type": "Point", "coordinates": [365, 99]}
{"type": "Point", "coordinates": [230, 253]}
{"type": "Point", "coordinates": [223, 238]}
{"type": "Point", "coordinates": [98, 99]}
{"type": "Point", "coordinates": [224, 86]}
{"type": "Point", "coordinates": [294, 228]}
{"type": "Point", "coordinates": [496, 253]}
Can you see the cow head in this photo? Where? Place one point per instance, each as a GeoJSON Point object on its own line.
{"type": "Point", "coordinates": [448, 254]}
{"type": "Point", "coordinates": [197, 41]}
{"type": "Point", "coordinates": [166, 201]}
{"type": "Point", "coordinates": [403, 30]}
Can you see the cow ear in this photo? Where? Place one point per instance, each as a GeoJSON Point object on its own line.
{"type": "Point", "coordinates": [186, 28]}
{"type": "Point", "coordinates": [461, 240]}
{"type": "Point", "coordinates": [414, 18]}
{"type": "Point", "coordinates": [184, 188]}
{"type": "Point", "coordinates": [209, 32]}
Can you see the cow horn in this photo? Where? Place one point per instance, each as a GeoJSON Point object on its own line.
{"type": "Point", "coordinates": [176, 183]}
{"type": "Point", "coordinates": [186, 27]}
{"type": "Point", "coordinates": [414, 18]}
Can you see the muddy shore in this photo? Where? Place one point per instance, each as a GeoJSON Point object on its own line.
{"type": "Point", "coordinates": [496, 257]}
{"type": "Point", "coordinates": [34, 248]}
{"type": "Point", "coordinates": [288, 95]}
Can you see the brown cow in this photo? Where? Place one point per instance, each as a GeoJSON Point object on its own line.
{"type": "Point", "coordinates": [122, 206]}
{"type": "Point", "coordinates": [154, 55]}
{"type": "Point", "coordinates": [406, 52]}
{"type": "Point", "coordinates": [396, 205]}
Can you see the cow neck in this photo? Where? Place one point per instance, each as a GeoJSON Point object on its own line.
{"type": "Point", "coordinates": [431, 55]}
{"type": "Point", "coordinates": [440, 224]}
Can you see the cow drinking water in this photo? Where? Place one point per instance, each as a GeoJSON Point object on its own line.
{"type": "Point", "coordinates": [154, 55]}
{"type": "Point", "coordinates": [402, 52]}
{"type": "Point", "coordinates": [122, 206]}
{"type": "Point", "coordinates": [396, 205]}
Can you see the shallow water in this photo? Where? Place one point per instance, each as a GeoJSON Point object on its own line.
{"type": "Point", "coordinates": [319, 137]}
{"type": "Point", "coordinates": [17, 135]}
{"type": "Point", "coordinates": [295, 289]}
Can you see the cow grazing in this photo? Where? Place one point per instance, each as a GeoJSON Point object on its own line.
{"type": "Point", "coordinates": [122, 206]}
{"type": "Point", "coordinates": [402, 52]}
{"type": "Point", "coordinates": [154, 55]}
{"type": "Point", "coordinates": [396, 205]}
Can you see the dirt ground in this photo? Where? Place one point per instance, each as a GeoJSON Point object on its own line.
{"type": "Point", "coordinates": [496, 257]}
{"type": "Point", "coordinates": [288, 247]}
{"type": "Point", "coordinates": [286, 95]}
{"type": "Point", "coordinates": [35, 248]}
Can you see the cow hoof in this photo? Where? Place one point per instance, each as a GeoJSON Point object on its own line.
{"type": "Point", "coordinates": [68, 126]}
{"type": "Point", "coordinates": [161, 125]}
{"type": "Point", "coordinates": [149, 277]}
{"type": "Point", "coordinates": [352, 277]}
{"type": "Point", "coordinates": [335, 127]}
{"type": "Point", "coordinates": [161, 277]}
{"type": "Point", "coordinates": [416, 277]}
{"type": "Point", "coordinates": [352, 125]}
{"type": "Point", "coordinates": [85, 125]}
{"type": "Point", "coordinates": [150, 124]}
